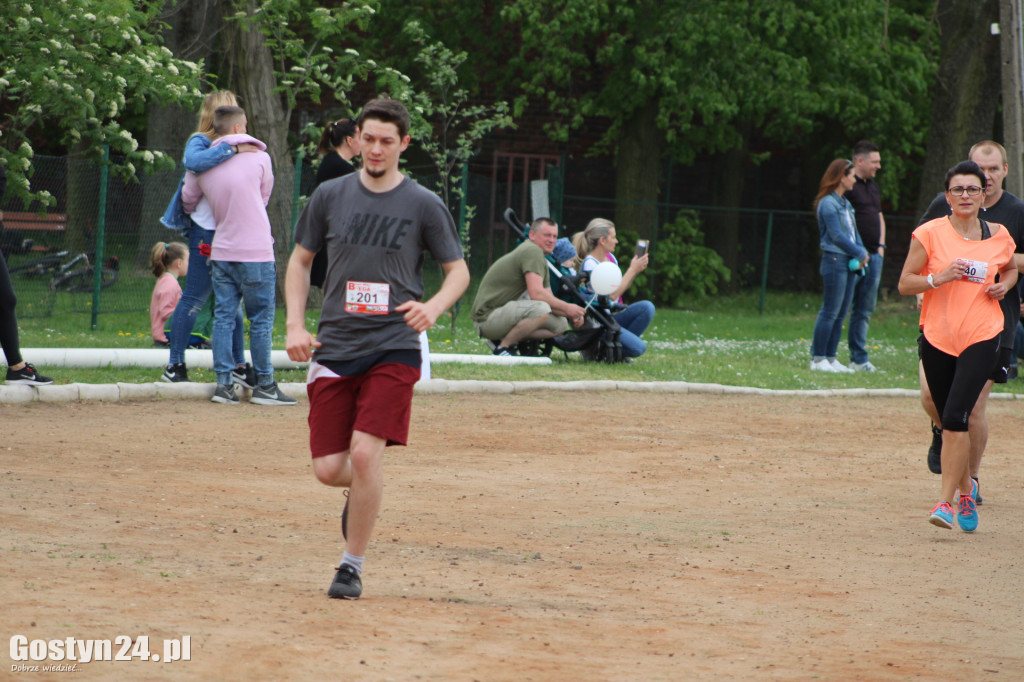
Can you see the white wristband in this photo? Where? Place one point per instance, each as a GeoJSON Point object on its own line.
{"type": "Point", "coordinates": [931, 281]}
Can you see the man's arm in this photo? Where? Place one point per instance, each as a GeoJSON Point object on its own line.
{"type": "Point", "coordinates": [881, 234]}
{"type": "Point", "coordinates": [299, 342]}
{"type": "Point", "coordinates": [421, 316]}
{"type": "Point", "coordinates": [538, 292]}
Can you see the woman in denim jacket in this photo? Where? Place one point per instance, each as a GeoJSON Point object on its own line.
{"type": "Point", "coordinates": [840, 243]}
{"type": "Point", "coordinates": [199, 157]}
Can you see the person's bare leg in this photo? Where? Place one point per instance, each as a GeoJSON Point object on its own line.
{"type": "Point", "coordinates": [955, 455]}
{"type": "Point", "coordinates": [524, 329]}
{"type": "Point", "coordinates": [366, 458]}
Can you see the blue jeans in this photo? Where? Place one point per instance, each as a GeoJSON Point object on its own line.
{"type": "Point", "coordinates": [839, 283]}
{"type": "Point", "coordinates": [634, 321]}
{"type": "Point", "coordinates": [197, 289]}
{"type": "Point", "coordinates": [865, 293]}
{"type": "Point", "coordinates": [253, 284]}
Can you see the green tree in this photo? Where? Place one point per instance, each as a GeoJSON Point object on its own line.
{"type": "Point", "coordinates": [966, 90]}
{"type": "Point", "coordinates": [72, 71]}
{"type": "Point", "coordinates": [678, 78]}
{"type": "Point", "coordinates": [447, 125]}
{"type": "Point", "coordinates": [281, 52]}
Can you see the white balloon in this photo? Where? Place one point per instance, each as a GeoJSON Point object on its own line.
{"type": "Point", "coordinates": [605, 278]}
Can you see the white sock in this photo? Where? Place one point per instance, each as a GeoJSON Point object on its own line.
{"type": "Point", "coordinates": [355, 562]}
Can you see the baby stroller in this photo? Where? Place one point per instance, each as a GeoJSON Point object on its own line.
{"type": "Point", "coordinates": [597, 339]}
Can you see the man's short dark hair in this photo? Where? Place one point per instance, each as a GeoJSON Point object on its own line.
{"type": "Point", "coordinates": [386, 110]}
{"type": "Point", "coordinates": [225, 117]}
{"type": "Point", "coordinates": [865, 147]}
{"type": "Point", "coordinates": [541, 221]}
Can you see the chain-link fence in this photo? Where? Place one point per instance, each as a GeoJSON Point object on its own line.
{"type": "Point", "coordinates": [53, 254]}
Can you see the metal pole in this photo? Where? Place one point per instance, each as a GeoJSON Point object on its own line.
{"type": "Point", "coordinates": [101, 228]}
{"type": "Point", "coordinates": [296, 191]}
{"type": "Point", "coordinates": [764, 267]}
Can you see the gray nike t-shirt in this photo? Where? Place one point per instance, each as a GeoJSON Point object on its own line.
{"type": "Point", "coordinates": [375, 244]}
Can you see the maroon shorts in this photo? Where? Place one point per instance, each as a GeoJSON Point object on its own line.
{"type": "Point", "coordinates": [378, 402]}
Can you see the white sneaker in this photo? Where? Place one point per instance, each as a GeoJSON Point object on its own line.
{"type": "Point", "coordinates": [863, 367]}
{"type": "Point", "coordinates": [839, 368]}
{"type": "Point", "coordinates": [821, 366]}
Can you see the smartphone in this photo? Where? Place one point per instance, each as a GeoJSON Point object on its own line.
{"type": "Point", "coordinates": [641, 247]}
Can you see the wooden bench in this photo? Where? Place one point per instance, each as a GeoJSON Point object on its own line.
{"type": "Point", "coordinates": [29, 220]}
{"type": "Point", "coordinates": [32, 221]}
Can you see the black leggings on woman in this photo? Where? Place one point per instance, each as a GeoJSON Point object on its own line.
{"type": "Point", "coordinates": [957, 381]}
{"type": "Point", "coordinates": [8, 323]}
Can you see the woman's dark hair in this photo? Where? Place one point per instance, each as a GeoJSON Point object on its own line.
{"type": "Point", "coordinates": [966, 168]}
{"type": "Point", "coordinates": [335, 133]}
{"type": "Point", "coordinates": [830, 180]}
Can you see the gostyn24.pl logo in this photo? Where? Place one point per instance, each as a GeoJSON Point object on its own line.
{"type": "Point", "coordinates": [70, 651]}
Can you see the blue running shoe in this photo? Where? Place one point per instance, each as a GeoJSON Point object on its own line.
{"type": "Point", "coordinates": [942, 515]}
{"type": "Point", "coordinates": [967, 514]}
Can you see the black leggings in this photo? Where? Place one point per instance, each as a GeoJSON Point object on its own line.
{"type": "Point", "coordinates": [8, 323]}
{"type": "Point", "coordinates": [957, 381]}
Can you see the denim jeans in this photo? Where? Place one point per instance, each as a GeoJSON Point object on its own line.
{"type": "Point", "coordinates": [634, 320]}
{"type": "Point", "coordinates": [197, 289]}
{"type": "Point", "coordinates": [839, 283]}
{"type": "Point", "coordinates": [865, 293]}
{"type": "Point", "coordinates": [254, 285]}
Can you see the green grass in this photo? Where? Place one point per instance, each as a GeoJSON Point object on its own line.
{"type": "Point", "coordinates": [721, 340]}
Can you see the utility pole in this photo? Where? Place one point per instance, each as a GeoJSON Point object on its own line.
{"type": "Point", "coordinates": [1011, 30]}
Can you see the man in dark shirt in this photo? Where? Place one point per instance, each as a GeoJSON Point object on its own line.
{"type": "Point", "coordinates": [1007, 210]}
{"type": "Point", "coordinates": [867, 209]}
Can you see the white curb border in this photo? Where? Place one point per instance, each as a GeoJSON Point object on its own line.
{"type": "Point", "coordinates": [124, 392]}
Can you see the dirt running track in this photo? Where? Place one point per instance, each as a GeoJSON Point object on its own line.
{"type": "Point", "coordinates": [643, 537]}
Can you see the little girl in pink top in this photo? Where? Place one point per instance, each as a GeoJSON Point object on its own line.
{"type": "Point", "coordinates": [169, 261]}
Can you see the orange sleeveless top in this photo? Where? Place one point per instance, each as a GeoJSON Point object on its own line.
{"type": "Point", "coordinates": [958, 314]}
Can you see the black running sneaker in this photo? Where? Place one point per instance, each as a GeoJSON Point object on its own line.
{"type": "Point", "coordinates": [28, 376]}
{"type": "Point", "coordinates": [935, 451]}
{"type": "Point", "coordinates": [175, 373]}
{"type": "Point", "coordinates": [245, 375]}
{"type": "Point", "coordinates": [346, 585]}
{"type": "Point", "coordinates": [977, 491]}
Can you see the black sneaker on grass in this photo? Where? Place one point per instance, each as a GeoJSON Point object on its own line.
{"type": "Point", "coordinates": [225, 395]}
{"type": "Point", "coordinates": [270, 395]}
{"type": "Point", "coordinates": [935, 451]}
{"type": "Point", "coordinates": [175, 373]}
{"type": "Point", "coordinates": [346, 585]}
{"type": "Point", "coordinates": [28, 376]}
{"type": "Point", "coordinates": [245, 375]}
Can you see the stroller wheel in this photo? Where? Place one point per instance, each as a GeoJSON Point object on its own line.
{"type": "Point", "coordinates": [535, 348]}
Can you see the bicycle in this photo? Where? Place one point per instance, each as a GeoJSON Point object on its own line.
{"type": "Point", "coordinates": [73, 276]}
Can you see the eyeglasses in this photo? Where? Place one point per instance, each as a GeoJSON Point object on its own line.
{"type": "Point", "coordinates": [972, 191]}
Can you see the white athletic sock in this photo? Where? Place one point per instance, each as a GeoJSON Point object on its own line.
{"type": "Point", "coordinates": [355, 562]}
